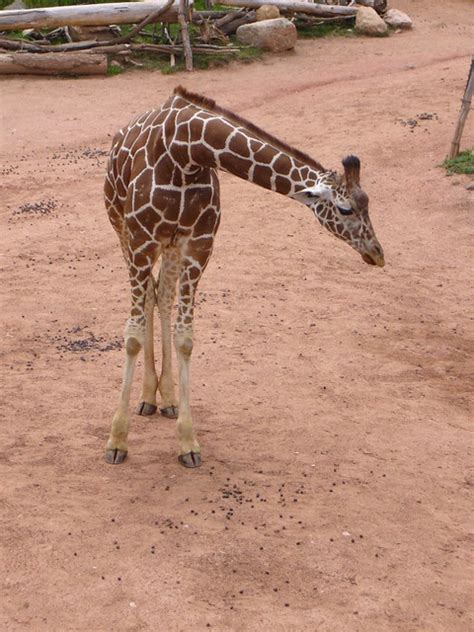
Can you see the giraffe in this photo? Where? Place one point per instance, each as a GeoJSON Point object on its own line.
{"type": "Point", "coordinates": [162, 198]}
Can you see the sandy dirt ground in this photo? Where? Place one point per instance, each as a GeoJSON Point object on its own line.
{"type": "Point", "coordinates": [331, 398]}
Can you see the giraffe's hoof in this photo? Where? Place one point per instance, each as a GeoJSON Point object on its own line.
{"type": "Point", "coordinates": [170, 411]}
{"type": "Point", "coordinates": [115, 456]}
{"type": "Point", "coordinates": [190, 459]}
{"type": "Point", "coordinates": [146, 409]}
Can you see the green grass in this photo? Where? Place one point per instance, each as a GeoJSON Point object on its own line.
{"type": "Point", "coordinates": [157, 61]}
{"type": "Point", "coordinates": [14, 35]}
{"type": "Point", "coordinates": [464, 163]}
{"type": "Point", "coordinates": [151, 61]}
{"type": "Point", "coordinates": [114, 70]}
{"type": "Point", "coordinates": [325, 30]}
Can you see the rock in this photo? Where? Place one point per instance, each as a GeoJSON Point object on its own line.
{"type": "Point", "coordinates": [267, 12]}
{"type": "Point", "coordinates": [397, 19]}
{"type": "Point", "coordinates": [378, 5]}
{"type": "Point", "coordinates": [470, 187]}
{"type": "Point", "coordinates": [275, 35]}
{"type": "Point", "coordinates": [368, 22]}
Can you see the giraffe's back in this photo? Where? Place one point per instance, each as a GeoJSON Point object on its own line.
{"type": "Point", "coordinates": [147, 188]}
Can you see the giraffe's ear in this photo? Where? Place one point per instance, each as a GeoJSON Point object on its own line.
{"type": "Point", "coordinates": [351, 166]}
{"type": "Point", "coordinates": [319, 191]}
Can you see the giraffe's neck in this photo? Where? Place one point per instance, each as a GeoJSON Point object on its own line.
{"type": "Point", "coordinates": [206, 139]}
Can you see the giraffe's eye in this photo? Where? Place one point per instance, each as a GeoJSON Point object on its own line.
{"type": "Point", "coordinates": [345, 210]}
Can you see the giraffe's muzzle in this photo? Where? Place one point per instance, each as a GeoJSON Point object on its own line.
{"type": "Point", "coordinates": [374, 259]}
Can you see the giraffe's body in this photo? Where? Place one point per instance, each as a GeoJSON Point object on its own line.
{"type": "Point", "coordinates": [162, 196]}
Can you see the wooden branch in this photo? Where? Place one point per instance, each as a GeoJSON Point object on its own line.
{"type": "Point", "coordinates": [465, 107]}
{"type": "Point", "coordinates": [105, 48]}
{"type": "Point", "coordinates": [228, 17]}
{"type": "Point", "coordinates": [318, 21]}
{"type": "Point", "coordinates": [201, 49]}
{"type": "Point", "coordinates": [23, 45]}
{"type": "Point", "coordinates": [52, 64]}
{"type": "Point", "coordinates": [88, 15]}
{"type": "Point", "coordinates": [231, 27]}
{"type": "Point", "coordinates": [168, 48]}
{"type": "Point", "coordinates": [199, 16]}
{"type": "Point", "coordinates": [183, 23]}
{"type": "Point", "coordinates": [153, 17]}
{"type": "Point", "coordinates": [309, 8]}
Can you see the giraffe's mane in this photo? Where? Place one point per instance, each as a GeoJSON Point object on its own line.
{"type": "Point", "coordinates": [211, 105]}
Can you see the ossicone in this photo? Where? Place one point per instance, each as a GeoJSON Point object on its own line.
{"type": "Point", "coordinates": [351, 166]}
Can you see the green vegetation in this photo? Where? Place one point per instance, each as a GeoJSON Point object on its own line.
{"type": "Point", "coordinates": [325, 30]}
{"type": "Point", "coordinates": [463, 163]}
{"type": "Point", "coordinates": [114, 70]}
{"type": "Point", "coordinates": [152, 61]}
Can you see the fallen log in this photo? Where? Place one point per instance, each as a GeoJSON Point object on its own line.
{"type": "Point", "coordinates": [309, 8]}
{"type": "Point", "coordinates": [231, 27]}
{"type": "Point", "coordinates": [52, 64]}
{"type": "Point", "coordinates": [87, 15]}
{"type": "Point", "coordinates": [37, 47]}
{"type": "Point", "coordinates": [228, 17]}
{"type": "Point", "coordinates": [76, 46]}
{"type": "Point", "coordinates": [199, 16]}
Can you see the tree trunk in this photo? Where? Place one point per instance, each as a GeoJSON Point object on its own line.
{"type": "Point", "coordinates": [465, 107]}
{"type": "Point", "coordinates": [86, 15]}
{"type": "Point", "coordinates": [322, 10]}
{"type": "Point", "coordinates": [52, 64]}
{"type": "Point", "coordinates": [183, 15]}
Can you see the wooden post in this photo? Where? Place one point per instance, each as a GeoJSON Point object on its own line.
{"type": "Point", "coordinates": [465, 107]}
{"type": "Point", "coordinates": [183, 14]}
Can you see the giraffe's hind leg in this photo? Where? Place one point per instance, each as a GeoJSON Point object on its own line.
{"type": "Point", "coordinates": [168, 278]}
{"type": "Point", "coordinates": [191, 272]}
{"type": "Point", "coordinates": [140, 268]}
{"type": "Point", "coordinates": [117, 446]}
{"type": "Point", "coordinates": [147, 405]}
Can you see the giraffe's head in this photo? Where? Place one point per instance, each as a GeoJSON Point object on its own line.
{"type": "Point", "coordinates": [342, 207]}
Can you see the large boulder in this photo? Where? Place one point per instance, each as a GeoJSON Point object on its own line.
{"type": "Point", "coordinates": [368, 22]}
{"type": "Point", "coordinates": [267, 12]}
{"type": "Point", "coordinates": [378, 5]}
{"type": "Point", "coordinates": [275, 35]}
{"type": "Point", "coordinates": [397, 19]}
